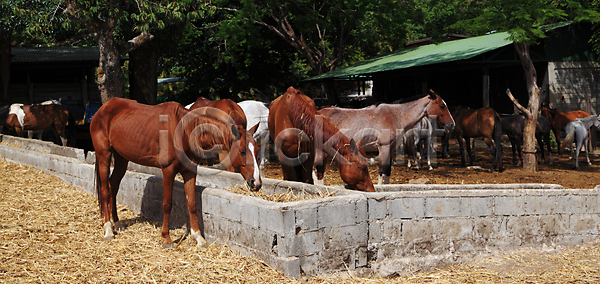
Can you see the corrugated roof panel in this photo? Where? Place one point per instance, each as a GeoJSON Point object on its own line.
{"type": "Point", "coordinates": [423, 55]}
{"type": "Point", "coordinates": [55, 54]}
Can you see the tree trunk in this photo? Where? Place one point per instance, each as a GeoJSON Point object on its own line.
{"type": "Point", "coordinates": [531, 113]}
{"type": "Point", "coordinates": [5, 58]}
{"type": "Point", "coordinates": [142, 68]}
{"type": "Point", "coordinates": [110, 76]}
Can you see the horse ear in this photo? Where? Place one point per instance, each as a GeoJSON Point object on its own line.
{"type": "Point", "coordinates": [235, 132]}
{"type": "Point", "coordinates": [252, 130]}
{"type": "Point", "coordinates": [432, 94]}
{"type": "Point", "coordinates": [353, 146]}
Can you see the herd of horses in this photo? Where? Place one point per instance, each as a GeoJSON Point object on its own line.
{"type": "Point", "coordinates": [234, 136]}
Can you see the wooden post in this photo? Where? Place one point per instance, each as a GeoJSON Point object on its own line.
{"type": "Point", "coordinates": [31, 94]}
{"type": "Point", "coordinates": [84, 91]}
{"type": "Point", "coordinates": [486, 87]}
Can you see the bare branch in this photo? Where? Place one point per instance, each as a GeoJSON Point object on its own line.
{"type": "Point", "coordinates": [211, 26]}
{"type": "Point", "coordinates": [135, 42]}
{"type": "Point", "coordinates": [517, 104]}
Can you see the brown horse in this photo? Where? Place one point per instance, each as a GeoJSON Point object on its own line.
{"type": "Point", "coordinates": [378, 127]}
{"type": "Point", "coordinates": [298, 131]}
{"type": "Point", "coordinates": [200, 102]}
{"type": "Point", "coordinates": [559, 120]}
{"type": "Point", "coordinates": [21, 118]}
{"type": "Point", "coordinates": [484, 122]}
{"type": "Point", "coordinates": [230, 107]}
{"type": "Point", "coordinates": [169, 137]}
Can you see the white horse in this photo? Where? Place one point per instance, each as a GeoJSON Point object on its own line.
{"type": "Point", "coordinates": [256, 112]}
{"type": "Point", "coordinates": [578, 130]}
{"type": "Point", "coordinates": [422, 131]}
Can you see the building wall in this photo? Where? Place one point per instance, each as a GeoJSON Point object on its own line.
{"type": "Point", "coordinates": [575, 86]}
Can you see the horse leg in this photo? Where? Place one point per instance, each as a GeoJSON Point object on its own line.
{"type": "Point", "coordinates": [546, 139]}
{"type": "Point", "coordinates": [168, 180]}
{"type": "Point", "coordinates": [587, 152]}
{"type": "Point", "coordinates": [473, 152]}
{"type": "Point", "coordinates": [490, 144]}
{"type": "Point", "coordinates": [575, 154]}
{"type": "Point", "coordinates": [470, 151]}
{"type": "Point", "coordinates": [429, 149]}
{"type": "Point", "coordinates": [385, 165]}
{"type": "Point", "coordinates": [189, 179]}
{"type": "Point", "coordinates": [119, 170]}
{"type": "Point", "coordinates": [59, 134]}
{"type": "Point", "coordinates": [446, 145]}
{"type": "Point", "coordinates": [319, 172]}
{"type": "Point", "coordinates": [305, 171]}
{"type": "Point", "coordinates": [289, 173]}
{"type": "Point", "coordinates": [417, 153]}
{"type": "Point", "coordinates": [556, 133]}
{"type": "Point", "coordinates": [103, 158]}
{"type": "Point", "coordinates": [513, 145]}
{"type": "Point", "coordinates": [519, 152]}
{"type": "Point", "coordinates": [461, 146]}
{"type": "Point", "coordinates": [538, 137]}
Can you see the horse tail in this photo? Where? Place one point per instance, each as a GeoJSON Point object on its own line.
{"type": "Point", "coordinates": [570, 130]}
{"type": "Point", "coordinates": [498, 141]}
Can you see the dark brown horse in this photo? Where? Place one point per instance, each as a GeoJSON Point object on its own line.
{"type": "Point", "coordinates": [21, 119]}
{"type": "Point", "coordinates": [513, 126]}
{"type": "Point", "coordinates": [169, 137]}
{"type": "Point", "coordinates": [483, 122]}
{"type": "Point", "coordinates": [559, 120]}
{"type": "Point", "coordinates": [297, 130]}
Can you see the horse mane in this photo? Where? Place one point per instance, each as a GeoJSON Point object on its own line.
{"type": "Point", "coordinates": [432, 95]}
{"type": "Point", "coordinates": [304, 117]}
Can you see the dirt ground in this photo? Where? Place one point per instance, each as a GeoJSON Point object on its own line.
{"type": "Point", "coordinates": [449, 171]}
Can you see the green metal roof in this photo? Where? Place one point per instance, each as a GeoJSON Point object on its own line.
{"type": "Point", "coordinates": [423, 55]}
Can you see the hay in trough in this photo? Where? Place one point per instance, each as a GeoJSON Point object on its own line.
{"type": "Point", "coordinates": [288, 196]}
{"type": "Point", "coordinates": [50, 232]}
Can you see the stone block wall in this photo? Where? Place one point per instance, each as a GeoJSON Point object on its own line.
{"type": "Point", "coordinates": [400, 228]}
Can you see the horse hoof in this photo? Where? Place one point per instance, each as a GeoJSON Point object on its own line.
{"type": "Point", "coordinates": [109, 238]}
{"type": "Point", "coordinates": [169, 246]}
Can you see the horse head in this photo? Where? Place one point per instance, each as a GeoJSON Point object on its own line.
{"type": "Point", "coordinates": [597, 121]}
{"type": "Point", "coordinates": [354, 171]}
{"type": "Point", "coordinates": [212, 127]}
{"type": "Point", "coordinates": [439, 109]}
{"type": "Point", "coordinates": [243, 155]}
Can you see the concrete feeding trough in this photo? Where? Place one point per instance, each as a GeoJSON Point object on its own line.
{"type": "Point", "coordinates": [399, 229]}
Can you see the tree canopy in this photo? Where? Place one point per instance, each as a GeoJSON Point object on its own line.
{"type": "Point", "coordinates": [230, 48]}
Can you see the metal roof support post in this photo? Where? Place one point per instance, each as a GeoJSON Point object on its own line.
{"type": "Point", "coordinates": [486, 86]}
{"type": "Point", "coordinates": [84, 91]}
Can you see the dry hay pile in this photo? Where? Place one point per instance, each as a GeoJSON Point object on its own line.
{"type": "Point", "coordinates": [50, 232]}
